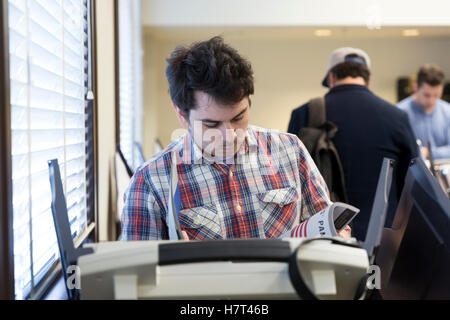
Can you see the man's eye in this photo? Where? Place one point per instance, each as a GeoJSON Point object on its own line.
{"type": "Point", "coordinates": [210, 125]}
{"type": "Point", "coordinates": [237, 119]}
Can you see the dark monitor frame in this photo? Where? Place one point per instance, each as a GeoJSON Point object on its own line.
{"type": "Point", "coordinates": [127, 166]}
{"type": "Point", "coordinates": [414, 255]}
{"type": "Point", "coordinates": [68, 254]}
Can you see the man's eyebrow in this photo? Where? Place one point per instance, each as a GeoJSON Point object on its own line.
{"type": "Point", "coordinates": [240, 113]}
{"type": "Point", "coordinates": [237, 116]}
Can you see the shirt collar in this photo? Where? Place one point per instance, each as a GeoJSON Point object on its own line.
{"type": "Point", "coordinates": [345, 87]}
{"type": "Point", "coordinates": [420, 110]}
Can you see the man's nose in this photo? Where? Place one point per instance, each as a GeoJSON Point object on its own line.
{"type": "Point", "coordinates": [229, 132]}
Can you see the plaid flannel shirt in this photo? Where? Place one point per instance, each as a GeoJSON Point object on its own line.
{"type": "Point", "coordinates": [272, 187]}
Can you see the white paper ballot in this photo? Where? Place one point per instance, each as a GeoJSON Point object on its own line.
{"type": "Point", "coordinates": [328, 222]}
{"type": "Point", "coordinates": [173, 214]}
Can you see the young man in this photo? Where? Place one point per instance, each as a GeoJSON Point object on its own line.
{"type": "Point", "coordinates": [235, 180]}
{"type": "Point", "coordinates": [428, 114]}
{"type": "Point", "coordinates": [369, 129]}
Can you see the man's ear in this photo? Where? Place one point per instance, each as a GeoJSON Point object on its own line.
{"type": "Point", "coordinates": [415, 86]}
{"type": "Point", "coordinates": [331, 80]}
{"type": "Point", "coordinates": [181, 117]}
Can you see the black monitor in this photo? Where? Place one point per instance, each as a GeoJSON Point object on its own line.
{"type": "Point", "coordinates": [414, 254]}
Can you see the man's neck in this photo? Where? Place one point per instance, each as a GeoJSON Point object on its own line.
{"type": "Point", "coordinates": [425, 109]}
{"type": "Point", "coordinates": [350, 80]}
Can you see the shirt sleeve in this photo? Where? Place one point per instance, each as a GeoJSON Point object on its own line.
{"type": "Point", "coordinates": [298, 119]}
{"type": "Point", "coordinates": [408, 150]}
{"type": "Point", "coordinates": [141, 214]}
{"type": "Point", "coordinates": [442, 152]}
{"type": "Point", "coordinates": [315, 194]}
{"type": "Point", "coordinates": [292, 124]}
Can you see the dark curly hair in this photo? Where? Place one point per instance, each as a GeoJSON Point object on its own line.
{"type": "Point", "coordinates": [212, 67]}
{"type": "Point", "coordinates": [430, 74]}
{"type": "Point", "coordinates": [351, 69]}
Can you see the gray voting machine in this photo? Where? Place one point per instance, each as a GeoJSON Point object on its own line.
{"type": "Point", "coordinates": [290, 268]}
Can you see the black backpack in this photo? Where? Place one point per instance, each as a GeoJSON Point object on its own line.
{"type": "Point", "coordinates": [317, 139]}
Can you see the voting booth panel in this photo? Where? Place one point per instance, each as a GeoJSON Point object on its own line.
{"type": "Point", "coordinates": [258, 269]}
{"type": "Point", "coordinates": [414, 255]}
{"type": "Point", "coordinates": [289, 268]}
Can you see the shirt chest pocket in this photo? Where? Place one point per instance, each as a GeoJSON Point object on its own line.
{"type": "Point", "coordinates": [278, 210]}
{"type": "Point", "coordinates": [201, 222]}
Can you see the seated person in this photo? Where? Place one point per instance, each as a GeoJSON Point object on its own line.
{"type": "Point", "coordinates": [428, 114]}
{"type": "Point", "coordinates": [235, 180]}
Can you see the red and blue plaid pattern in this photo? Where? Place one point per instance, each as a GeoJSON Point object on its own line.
{"type": "Point", "coordinates": [270, 188]}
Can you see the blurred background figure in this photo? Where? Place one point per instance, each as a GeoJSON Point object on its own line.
{"type": "Point", "coordinates": [369, 129]}
{"type": "Point", "coordinates": [428, 113]}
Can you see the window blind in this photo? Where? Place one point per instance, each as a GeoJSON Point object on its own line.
{"type": "Point", "coordinates": [130, 81]}
{"type": "Point", "coordinates": [48, 89]}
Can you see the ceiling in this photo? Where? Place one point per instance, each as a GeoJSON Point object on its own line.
{"type": "Point", "coordinates": [294, 32]}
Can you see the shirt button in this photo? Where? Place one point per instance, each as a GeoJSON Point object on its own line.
{"type": "Point", "coordinates": [238, 208]}
{"type": "Point", "coordinates": [231, 174]}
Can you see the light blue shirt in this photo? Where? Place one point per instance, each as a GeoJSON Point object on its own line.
{"type": "Point", "coordinates": [433, 127]}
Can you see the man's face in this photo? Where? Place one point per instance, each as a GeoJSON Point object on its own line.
{"type": "Point", "coordinates": [426, 95]}
{"type": "Point", "coordinates": [218, 129]}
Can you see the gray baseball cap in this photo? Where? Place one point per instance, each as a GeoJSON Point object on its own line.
{"type": "Point", "coordinates": [340, 55]}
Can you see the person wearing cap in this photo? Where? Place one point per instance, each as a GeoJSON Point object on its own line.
{"type": "Point", "coordinates": [428, 114]}
{"type": "Point", "coordinates": [369, 129]}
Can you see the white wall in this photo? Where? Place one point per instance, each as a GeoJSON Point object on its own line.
{"type": "Point", "coordinates": [151, 88]}
{"type": "Point", "coordinates": [295, 12]}
{"type": "Point", "coordinates": [289, 72]}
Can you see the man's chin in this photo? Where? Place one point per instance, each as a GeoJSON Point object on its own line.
{"type": "Point", "coordinates": [224, 153]}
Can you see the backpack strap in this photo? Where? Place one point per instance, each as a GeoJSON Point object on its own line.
{"type": "Point", "coordinates": [316, 112]}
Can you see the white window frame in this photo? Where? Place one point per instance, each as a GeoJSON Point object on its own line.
{"type": "Point", "coordinates": [71, 121]}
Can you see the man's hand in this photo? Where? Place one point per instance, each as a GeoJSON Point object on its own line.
{"type": "Point", "coordinates": [425, 152]}
{"type": "Point", "coordinates": [346, 232]}
{"type": "Point", "coordinates": [185, 236]}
